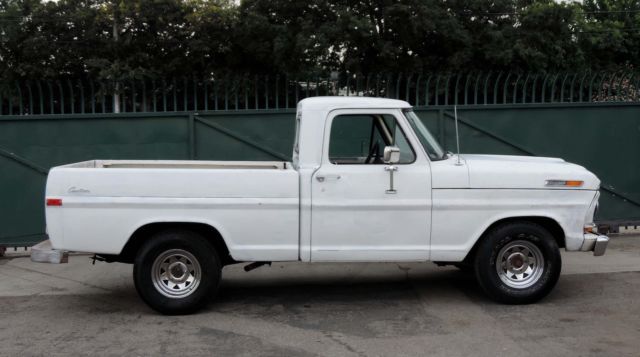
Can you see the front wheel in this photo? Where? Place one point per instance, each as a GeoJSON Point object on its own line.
{"type": "Point", "coordinates": [518, 263]}
{"type": "Point", "coordinates": [176, 272]}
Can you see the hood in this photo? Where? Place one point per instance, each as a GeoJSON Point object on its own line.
{"type": "Point", "coordinates": [505, 171]}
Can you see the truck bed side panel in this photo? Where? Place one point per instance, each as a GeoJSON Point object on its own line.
{"type": "Point", "coordinates": [256, 211]}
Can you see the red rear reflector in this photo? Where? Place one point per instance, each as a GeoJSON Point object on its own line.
{"type": "Point", "coordinates": [54, 201]}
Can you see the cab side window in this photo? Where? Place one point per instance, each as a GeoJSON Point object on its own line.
{"type": "Point", "coordinates": [361, 139]}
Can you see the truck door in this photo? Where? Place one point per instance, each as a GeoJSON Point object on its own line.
{"type": "Point", "coordinates": [361, 208]}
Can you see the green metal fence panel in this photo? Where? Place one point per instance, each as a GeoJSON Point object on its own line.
{"type": "Point", "coordinates": [29, 146]}
{"type": "Point", "coordinates": [21, 209]}
{"type": "Point", "coordinates": [242, 135]}
{"type": "Point", "coordinates": [603, 137]}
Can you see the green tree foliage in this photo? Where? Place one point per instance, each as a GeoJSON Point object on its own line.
{"type": "Point", "coordinates": [123, 39]}
{"type": "Point", "coordinates": [545, 36]}
{"type": "Point", "coordinates": [610, 33]}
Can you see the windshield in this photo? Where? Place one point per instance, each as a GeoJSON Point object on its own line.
{"type": "Point", "coordinates": [427, 140]}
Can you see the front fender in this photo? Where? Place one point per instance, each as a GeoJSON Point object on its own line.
{"type": "Point", "coordinates": [461, 217]}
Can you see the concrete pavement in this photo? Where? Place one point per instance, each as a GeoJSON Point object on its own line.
{"type": "Point", "coordinates": [324, 309]}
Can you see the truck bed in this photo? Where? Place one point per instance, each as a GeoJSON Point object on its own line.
{"type": "Point", "coordinates": [111, 199]}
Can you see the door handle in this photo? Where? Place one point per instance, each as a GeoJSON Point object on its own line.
{"type": "Point", "coordinates": [391, 169]}
{"type": "Point", "coordinates": [323, 178]}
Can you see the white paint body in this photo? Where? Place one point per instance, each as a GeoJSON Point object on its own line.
{"type": "Point", "coordinates": [274, 211]}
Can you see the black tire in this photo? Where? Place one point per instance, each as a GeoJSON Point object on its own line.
{"type": "Point", "coordinates": [520, 243]}
{"type": "Point", "coordinates": [179, 247]}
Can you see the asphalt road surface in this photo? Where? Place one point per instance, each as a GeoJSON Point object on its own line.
{"type": "Point", "coordinates": [324, 309]}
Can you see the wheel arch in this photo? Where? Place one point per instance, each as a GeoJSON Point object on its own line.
{"type": "Point", "coordinates": [548, 223]}
{"type": "Point", "coordinates": [146, 231]}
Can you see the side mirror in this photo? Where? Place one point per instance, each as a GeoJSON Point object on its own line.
{"type": "Point", "coordinates": [391, 155]}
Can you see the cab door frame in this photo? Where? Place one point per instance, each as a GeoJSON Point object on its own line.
{"type": "Point", "coordinates": [355, 218]}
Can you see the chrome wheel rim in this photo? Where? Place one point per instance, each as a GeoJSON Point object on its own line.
{"type": "Point", "coordinates": [520, 264]}
{"type": "Point", "coordinates": [176, 273]}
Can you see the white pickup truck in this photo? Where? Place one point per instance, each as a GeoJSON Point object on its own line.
{"type": "Point", "coordinates": [367, 183]}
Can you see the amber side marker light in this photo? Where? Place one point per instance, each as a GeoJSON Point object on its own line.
{"type": "Point", "coordinates": [590, 228]}
{"type": "Point", "coordinates": [54, 201]}
{"type": "Point", "coordinates": [564, 183]}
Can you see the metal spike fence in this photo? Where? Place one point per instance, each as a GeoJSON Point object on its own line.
{"type": "Point", "coordinates": [250, 92]}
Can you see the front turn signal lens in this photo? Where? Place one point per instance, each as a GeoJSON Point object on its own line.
{"type": "Point", "coordinates": [564, 183]}
{"type": "Point", "coordinates": [590, 228]}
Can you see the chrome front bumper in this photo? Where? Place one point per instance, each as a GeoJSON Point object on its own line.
{"type": "Point", "coordinates": [595, 243]}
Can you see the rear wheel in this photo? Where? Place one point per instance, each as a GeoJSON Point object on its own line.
{"type": "Point", "coordinates": [518, 263]}
{"type": "Point", "coordinates": [176, 272]}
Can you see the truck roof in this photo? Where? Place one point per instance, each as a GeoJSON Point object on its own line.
{"type": "Point", "coordinates": [331, 103]}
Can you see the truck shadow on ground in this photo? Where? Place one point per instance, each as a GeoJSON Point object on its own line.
{"type": "Point", "coordinates": [369, 307]}
{"type": "Point", "coordinates": [364, 289]}
{"type": "Point", "coordinates": [323, 301]}
{"type": "Point", "coordinates": [259, 296]}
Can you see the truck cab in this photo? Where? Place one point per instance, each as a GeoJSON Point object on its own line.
{"type": "Point", "coordinates": [363, 207]}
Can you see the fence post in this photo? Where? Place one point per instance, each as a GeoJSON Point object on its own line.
{"type": "Point", "coordinates": [441, 129]}
{"type": "Point", "coordinates": [455, 90]}
{"type": "Point", "coordinates": [185, 88]}
{"type": "Point", "coordinates": [133, 95]}
{"type": "Point", "coordinates": [192, 136]}
{"type": "Point", "coordinates": [39, 94]}
{"type": "Point", "coordinates": [61, 98]}
{"type": "Point", "coordinates": [486, 83]}
{"type": "Point", "coordinates": [31, 111]}
{"type": "Point", "coordinates": [505, 88]}
{"type": "Point", "coordinates": [195, 93]}
{"type": "Point", "coordinates": [81, 86]}
{"type": "Point", "coordinates": [573, 82]}
{"type": "Point", "coordinates": [437, 89]}
{"type": "Point", "coordinates": [466, 88]}
{"type": "Point", "coordinates": [21, 108]}
{"type": "Point", "coordinates": [495, 88]}
{"type": "Point", "coordinates": [515, 88]}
